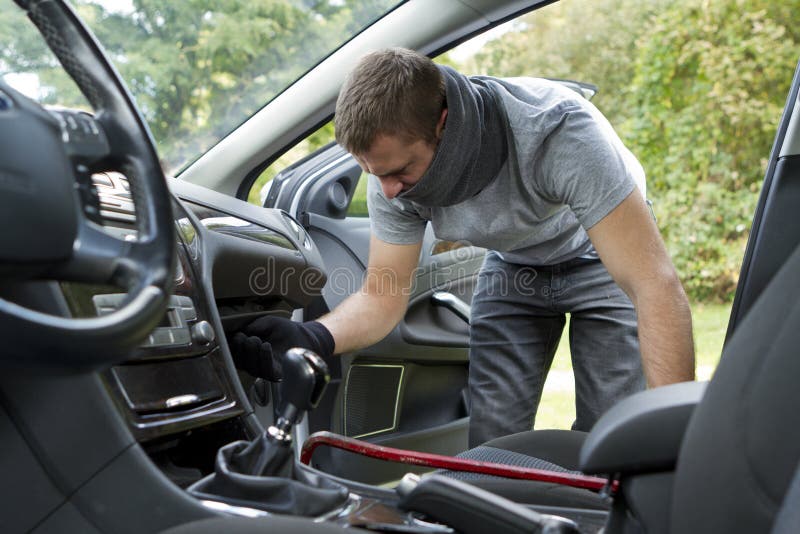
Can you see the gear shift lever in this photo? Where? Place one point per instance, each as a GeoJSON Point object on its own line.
{"type": "Point", "coordinates": [305, 376]}
{"type": "Point", "coordinates": [261, 473]}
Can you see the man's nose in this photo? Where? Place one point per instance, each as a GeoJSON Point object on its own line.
{"type": "Point", "coordinates": [391, 187]}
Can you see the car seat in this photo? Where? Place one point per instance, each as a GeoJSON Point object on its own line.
{"type": "Point", "coordinates": [732, 465]}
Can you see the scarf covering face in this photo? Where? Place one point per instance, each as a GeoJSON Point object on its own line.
{"type": "Point", "coordinates": [472, 148]}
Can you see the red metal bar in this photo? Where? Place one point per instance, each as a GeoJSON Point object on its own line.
{"type": "Point", "coordinates": [439, 461]}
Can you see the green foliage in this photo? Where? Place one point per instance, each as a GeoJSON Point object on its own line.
{"type": "Point", "coordinates": [585, 41]}
{"type": "Point", "coordinates": [26, 52]}
{"type": "Point", "coordinates": [198, 68]}
{"type": "Point", "coordinates": [710, 83]}
{"type": "Point", "coordinates": [694, 87]}
{"type": "Point", "coordinates": [358, 206]}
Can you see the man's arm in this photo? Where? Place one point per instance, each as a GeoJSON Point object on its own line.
{"type": "Point", "coordinates": [368, 315]}
{"type": "Point", "coordinates": [631, 248]}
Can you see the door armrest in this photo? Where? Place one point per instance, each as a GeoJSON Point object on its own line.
{"type": "Point", "coordinates": [643, 433]}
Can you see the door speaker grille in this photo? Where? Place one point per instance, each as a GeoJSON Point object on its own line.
{"type": "Point", "coordinates": [371, 399]}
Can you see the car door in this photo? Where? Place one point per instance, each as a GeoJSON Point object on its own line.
{"type": "Point", "coordinates": [775, 233]}
{"type": "Point", "coordinates": [408, 390]}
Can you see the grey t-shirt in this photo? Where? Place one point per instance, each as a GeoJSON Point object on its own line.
{"type": "Point", "coordinates": [566, 170]}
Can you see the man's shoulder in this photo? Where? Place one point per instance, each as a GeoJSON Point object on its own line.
{"type": "Point", "coordinates": [529, 88]}
{"type": "Point", "coordinates": [535, 106]}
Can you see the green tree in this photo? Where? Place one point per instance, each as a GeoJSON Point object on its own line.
{"type": "Point", "coordinates": [199, 67]}
{"type": "Point", "coordinates": [710, 82]}
{"type": "Point", "coordinates": [585, 41]}
{"type": "Point", "coordinates": [694, 87]}
{"type": "Point", "coordinates": [192, 58]}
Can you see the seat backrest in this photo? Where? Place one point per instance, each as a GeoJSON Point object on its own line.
{"type": "Point", "coordinates": [788, 518]}
{"type": "Point", "coordinates": [743, 442]}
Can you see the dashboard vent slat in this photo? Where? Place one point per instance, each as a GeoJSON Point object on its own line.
{"type": "Point", "coordinates": [117, 209]}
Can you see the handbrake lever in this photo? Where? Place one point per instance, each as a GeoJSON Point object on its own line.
{"type": "Point", "coordinates": [469, 509]}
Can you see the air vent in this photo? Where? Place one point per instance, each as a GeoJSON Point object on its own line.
{"type": "Point", "coordinates": [116, 203]}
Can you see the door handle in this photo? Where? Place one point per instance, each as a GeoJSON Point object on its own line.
{"type": "Point", "coordinates": [453, 303]}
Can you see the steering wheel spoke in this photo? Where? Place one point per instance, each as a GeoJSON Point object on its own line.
{"type": "Point", "coordinates": [97, 257]}
{"type": "Point", "coordinates": [82, 135]}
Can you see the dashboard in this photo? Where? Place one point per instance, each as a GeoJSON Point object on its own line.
{"type": "Point", "coordinates": [229, 269]}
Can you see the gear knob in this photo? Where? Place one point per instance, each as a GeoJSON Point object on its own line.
{"type": "Point", "coordinates": [305, 376]}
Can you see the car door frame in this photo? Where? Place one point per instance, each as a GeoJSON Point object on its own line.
{"type": "Point", "coordinates": [773, 236]}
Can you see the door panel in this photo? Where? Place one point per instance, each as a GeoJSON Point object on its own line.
{"type": "Point", "coordinates": [454, 272]}
{"type": "Point", "coordinates": [408, 390]}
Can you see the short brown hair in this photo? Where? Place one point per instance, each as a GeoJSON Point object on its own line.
{"type": "Point", "coordinates": [394, 91]}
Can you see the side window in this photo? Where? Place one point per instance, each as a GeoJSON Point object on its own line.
{"type": "Point", "coordinates": [358, 206]}
{"type": "Point", "coordinates": [307, 146]}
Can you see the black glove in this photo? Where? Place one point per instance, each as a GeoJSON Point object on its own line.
{"type": "Point", "coordinates": [259, 346]}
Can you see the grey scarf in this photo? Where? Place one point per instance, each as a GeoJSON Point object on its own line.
{"type": "Point", "coordinates": [473, 146]}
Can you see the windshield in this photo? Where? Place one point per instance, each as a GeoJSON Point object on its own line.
{"type": "Point", "coordinates": [197, 68]}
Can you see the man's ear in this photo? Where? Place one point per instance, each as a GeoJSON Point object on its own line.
{"type": "Point", "coordinates": [440, 124]}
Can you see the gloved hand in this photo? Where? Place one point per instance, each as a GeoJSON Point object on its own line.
{"type": "Point", "coordinates": [258, 347]}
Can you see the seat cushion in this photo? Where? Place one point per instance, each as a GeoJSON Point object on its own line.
{"type": "Point", "coordinates": [554, 450]}
{"type": "Point", "coordinates": [560, 447]}
{"type": "Point", "coordinates": [484, 453]}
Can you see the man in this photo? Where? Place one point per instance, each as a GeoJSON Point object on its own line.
{"type": "Point", "coordinates": [536, 174]}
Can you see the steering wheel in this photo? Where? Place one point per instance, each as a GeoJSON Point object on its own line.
{"type": "Point", "coordinates": [46, 160]}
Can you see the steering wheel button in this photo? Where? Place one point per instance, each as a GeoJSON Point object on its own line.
{"type": "Point", "coordinates": [84, 122]}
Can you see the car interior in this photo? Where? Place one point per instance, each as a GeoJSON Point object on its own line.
{"type": "Point", "coordinates": [121, 407]}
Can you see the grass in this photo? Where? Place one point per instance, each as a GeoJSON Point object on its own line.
{"type": "Point", "coordinates": [557, 409]}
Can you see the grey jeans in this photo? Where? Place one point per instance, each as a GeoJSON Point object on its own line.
{"type": "Point", "coordinates": [518, 314]}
